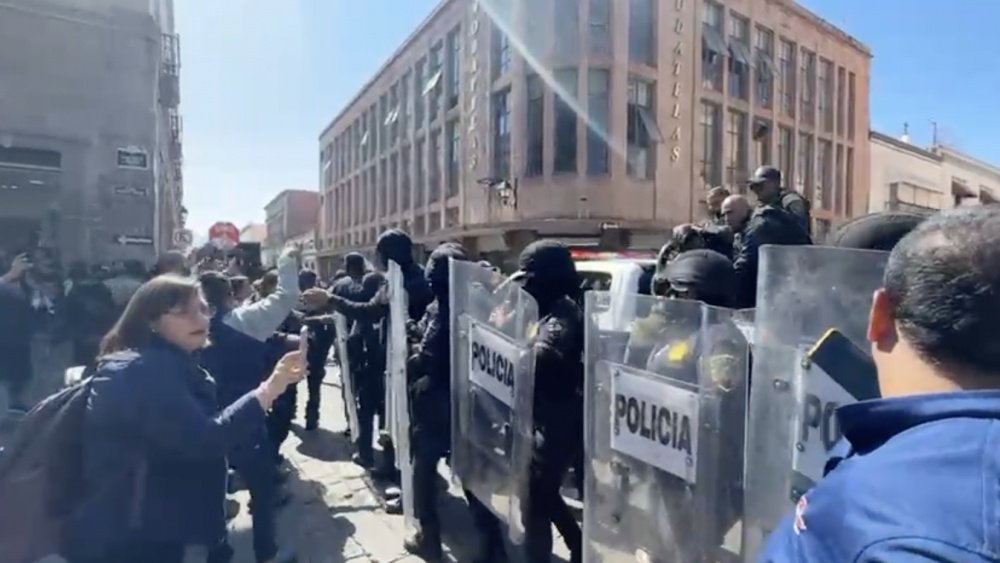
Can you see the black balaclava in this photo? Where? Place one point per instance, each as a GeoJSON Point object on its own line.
{"type": "Point", "coordinates": [355, 265]}
{"type": "Point", "coordinates": [549, 273]}
{"type": "Point", "coordinates": [307, 279]}
{"type": "Point", "coordinates": [436, 271]}
{"type": "Point", "coordinates": [395, 245]}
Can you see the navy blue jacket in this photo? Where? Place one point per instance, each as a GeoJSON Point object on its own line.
{"type": "Point", "coordinates": [918, 481]}
{"type": "Point", "coordinates": [155, 451]}
{"type": "Point", "coordinates": [238, 362]}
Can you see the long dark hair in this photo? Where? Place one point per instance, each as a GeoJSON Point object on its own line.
{"type": "Point", "coordinates": [150, 302]}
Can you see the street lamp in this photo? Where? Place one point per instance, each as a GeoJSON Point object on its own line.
{"type": "Point", "coordinates": [506, 189]}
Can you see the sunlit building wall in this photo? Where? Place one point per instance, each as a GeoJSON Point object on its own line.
{"type": "Point", "coordinates": [600, 122]}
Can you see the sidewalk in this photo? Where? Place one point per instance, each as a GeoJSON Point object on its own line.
{"type": "Point", "coordinates": [334, 516]}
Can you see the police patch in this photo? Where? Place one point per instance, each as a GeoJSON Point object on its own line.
{"type": "Point", "coordinates": [799, 523]}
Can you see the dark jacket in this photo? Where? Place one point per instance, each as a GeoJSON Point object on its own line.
{"type": "Point", "coordinates": [155, 455]}
{"type": "Point", "coordinates": [238, 362]}
{"type": "Point", "coordinates": [767, 225]}
{"type": "Point", "coordinates": [796, 206]}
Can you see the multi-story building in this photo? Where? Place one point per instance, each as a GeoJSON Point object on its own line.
{"type": "Point", "coordinates": [603, 124]}
{"type": "Point", "coordinates": [291, 214]}
{"type": "Point", "coordinates": [912, 178]}
{"type": "Point", "coordinates": [89, 132]}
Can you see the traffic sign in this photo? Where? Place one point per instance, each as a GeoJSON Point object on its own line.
{"type": "Point", "coordinates": [224, 235]}
{"type": "Point", "coordinates": [129, 240]}
{"type": "Point", "coordinates": [183, 238]}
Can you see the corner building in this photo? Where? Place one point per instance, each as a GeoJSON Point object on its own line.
{"type": "Point", "coordinates": [598, 122]}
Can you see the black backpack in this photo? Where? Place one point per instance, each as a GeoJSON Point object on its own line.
{"type": "Point", "coordinates": [41, 476]}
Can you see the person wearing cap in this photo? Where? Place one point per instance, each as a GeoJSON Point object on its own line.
{"type": "Point", "coordinates": [766, 185]}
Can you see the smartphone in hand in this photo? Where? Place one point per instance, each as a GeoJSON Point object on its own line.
{"type": "Point", "coordinates": [847, 364]}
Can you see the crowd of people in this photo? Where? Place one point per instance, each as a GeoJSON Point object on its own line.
{"type": "Point", "coordinates": [194, 389]}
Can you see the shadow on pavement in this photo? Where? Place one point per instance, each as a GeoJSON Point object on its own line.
{"type": "Point", "coordinates": [322, 444]}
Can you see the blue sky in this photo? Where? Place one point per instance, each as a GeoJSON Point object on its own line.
{"type": "Point", "coordinates": [261, 79]}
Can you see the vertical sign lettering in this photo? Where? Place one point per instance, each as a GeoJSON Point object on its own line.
{"type": "Point", "coordinates": [676, 68]}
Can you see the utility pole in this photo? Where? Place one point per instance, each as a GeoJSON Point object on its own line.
{"type": "Point", "coordinates": [934, 133]}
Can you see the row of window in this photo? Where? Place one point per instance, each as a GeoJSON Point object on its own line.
{"type": "Point", "coordinates": [432, 85]}
{"type": "Point", "coordinates": [812, 87]}
{"type": "Point", "coordinates": [817, 167]}
{"type": "Point", "coordinates": [397, 184]}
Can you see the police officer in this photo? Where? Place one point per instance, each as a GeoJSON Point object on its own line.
{"type": "Point", "coordinates": [429, 378]}
{"type": "Point", "coordinates": [766, 185]}
{"type": "Point", "coordinates": [320, 340]}
{"type": "Point", "coordinates": [918, 478]}
{"type": "Point", "coordinates": [755, 227]}
{"type": "Point", "coordinates": [713, 200]}
{"type": "Point", "coordinates": [549, 275]}
{"type": "Point", "coordinates": [394, 245]}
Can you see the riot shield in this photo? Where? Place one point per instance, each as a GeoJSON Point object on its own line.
{"type": "Point", "coordinates": [492, 378]}
{"type": "Point", "coordinates": [346, 377]}
{"type": "Point", "coordinates": [809, 357]}
{"type": "Point", "coordinates": [664, 431]}
{"type": "Point", "coordinates": [397, 353]}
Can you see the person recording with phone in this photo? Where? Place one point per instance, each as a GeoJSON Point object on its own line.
{"type": "Point", "coordinates": [17, 319]}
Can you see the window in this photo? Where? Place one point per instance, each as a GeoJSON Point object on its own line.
{"type": "Point", "coordinates": [739, 57]}
{"type": "Point", "coordinates": [599, 108]}
{"type": "Point", "coordinates": [807, 81]}
{"type": "Point", "coordinates": [383, 124]}
{"type": "Point", "coordinates": [824, 182]}
{"type": "Point", "coordinates": [841, 102]}
{"type": "Point", "coordinates": [382, 194]}
{"type": "Point", "coordinates": [501, 52]}
{"type": "Point", "coordinates": [565, 121]}
{"type": "Point", "coordinates": [736, 130]}
{"type": "Point", "coordinates": [786, 153]}
{"type": "Point", "coordinates": [454, 66]}
{"type": "Point", "coordinates": [405, 111]}
{"type": "Point", "coordinates": [821, 231]}
{"type": "Point", "coordinates": [761, 136]}
{"type": "Point", "coordinates": [851, 92]}
{"type": "Point", "coordinates": [826, 95]}
{"type": "Point", "coordinates": [786, 78]}
{"type": "Point", "coordinates": [600, 28]}
{"type": "Point", "coordinates": [501, 134]}
{"type": "Point", "coordinates": [419, 103]}
{"type": "Point", "coordinates": [454, 157]}
{"type": "Point", "coordinates": [643, 132]}
{"type": "Point", "coordinates": [838, 180]}
{"type": "Point", "coordinates": [849, 183]}
{"type": "Point", "coordinates": [405, 176]}
{"type": "Point", "coordinates": [451, 218]}
{"type": "Point", "coordinates": [434, 182]}
{"type": "Point", "coordinates": [535, 126]}
{"type": "Point", "coordinates": [804, 173]}
{"type": "Point", "coordinates": [713, 47]}
{"type": "Point", "coordinates": [537, 33]}
{"type": "Point", "coordinates": [641, 32]}
{"type": "Point", "coordinates": [419, 226]}
{"type": "Point", "coordinates": [392, 118]}
{"type": "Point", "coordinates": [567, 29]}
{"type": "Point", "coordinates": [373, 128]}
{"type": "Point", "coordinates": [711, 149]}
{"type": "Point", "coordinates": [764, 57]}
{"type": "Point", "coordinates": [433, 88]}
{"type": "Point", "coordinates": [393, 201]}
{"type": "Point", "coordinates": [420, 175]}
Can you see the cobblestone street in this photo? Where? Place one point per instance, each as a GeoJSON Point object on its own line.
{"type": "Point", "coordinates": [335, 516]}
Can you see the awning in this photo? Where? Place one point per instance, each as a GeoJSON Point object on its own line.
{"type": "Point", "coordinates": [432, 82]}
{"type": "Point", "coordinates": [959, 189]}
{"type": "Point", "coordinates": [649, 122]}
{"type": "Point", "coordinates": [986, 196]}
{"type": "Point", "coordinates": [713, 40]}
{"type": "Point", "coordinates": [766, 64]}
{"type": "Point", "coordinates": [740, 52]}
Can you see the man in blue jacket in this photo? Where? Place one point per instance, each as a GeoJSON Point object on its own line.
{"type": "Point", "coordinates": [918, 478]}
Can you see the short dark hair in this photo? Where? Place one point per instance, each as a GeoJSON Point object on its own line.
{"type": "Point", "coordinates": [151, 301]}
{"type": "Point", "coordinates": [943, 280]}
{"type": "Point", "coordinates": [216, 289]}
